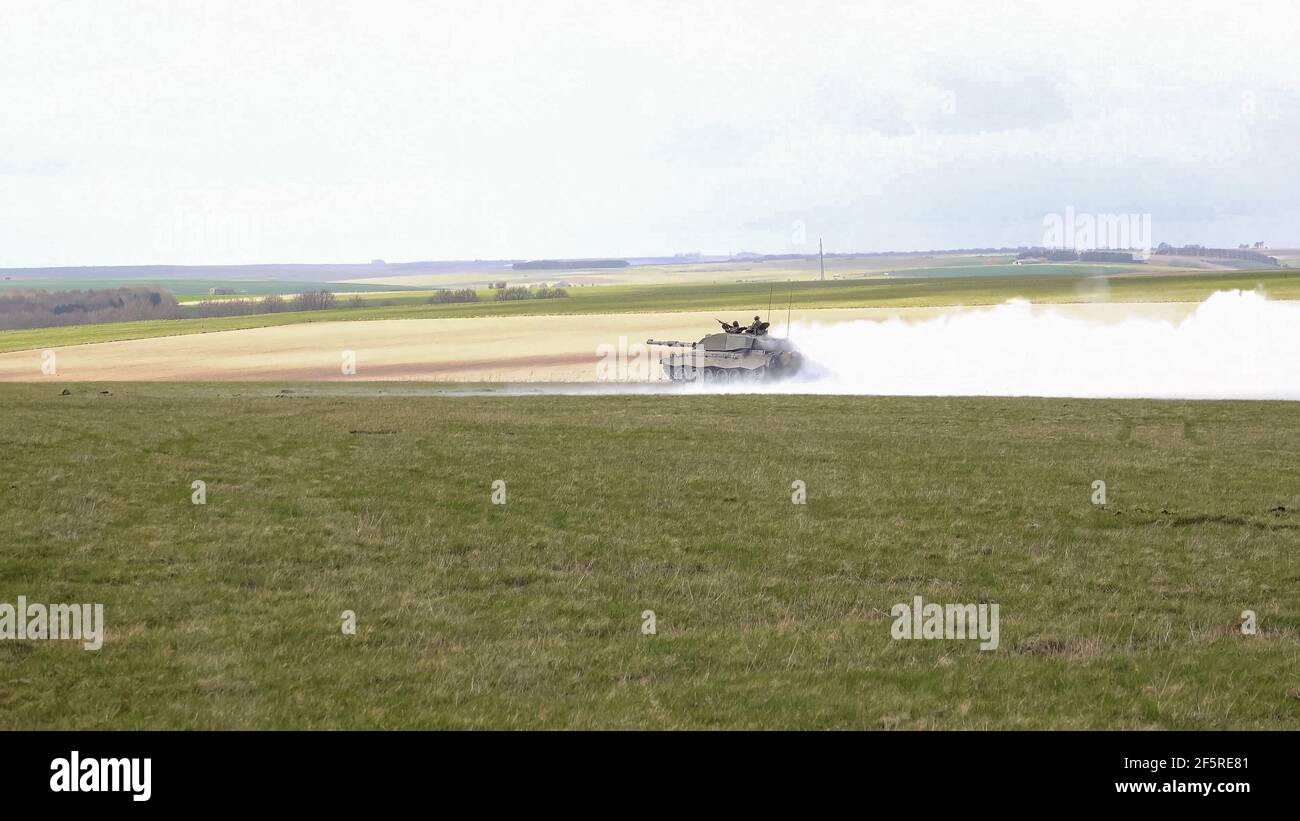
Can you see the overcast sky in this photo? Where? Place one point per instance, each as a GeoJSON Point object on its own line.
{"type": "Point", "coordinates": [211, 132]}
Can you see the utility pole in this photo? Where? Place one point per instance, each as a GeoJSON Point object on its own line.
{"type": "Point", "coordinates": [821, 258]}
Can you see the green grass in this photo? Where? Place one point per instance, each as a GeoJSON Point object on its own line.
{"type": "Point", "coordinates": [895, 292]}
{"type": "Point", "coordinates": [374, 499]}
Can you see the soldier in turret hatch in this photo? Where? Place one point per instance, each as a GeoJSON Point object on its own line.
{"type": "Point", "coordinates": [757, 327]}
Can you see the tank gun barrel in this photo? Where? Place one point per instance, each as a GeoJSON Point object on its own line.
{"type": "Point", "coordinates": [670, 343]}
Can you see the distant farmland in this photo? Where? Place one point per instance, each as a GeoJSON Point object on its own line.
{"type": "Point", "coordinates": [195, 288]}
{"type": "Point", "coordinates": [805, 294]}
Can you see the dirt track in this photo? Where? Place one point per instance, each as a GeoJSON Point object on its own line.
{"type": "Point", "coordinates": [509, 349]}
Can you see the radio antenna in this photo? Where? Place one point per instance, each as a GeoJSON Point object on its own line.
{"type": "Point", "coordinates": [770, 289]}
{"type": "Point", "coordinates": [789, 302]}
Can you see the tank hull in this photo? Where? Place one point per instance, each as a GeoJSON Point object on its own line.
{"type": "Point", "coordinates": [694, 365]}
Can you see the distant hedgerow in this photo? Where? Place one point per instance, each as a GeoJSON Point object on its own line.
{"type": "Point", "coordinates": [313, 301]}
{"type": "Point", "coordinates": [513, 292]}
{"type": "Point", "coordinates": [520, 292]}
{"type": "Point", "coordinates": [454, 295]}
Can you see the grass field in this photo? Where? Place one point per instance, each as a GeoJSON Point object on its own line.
{"type": "Point", "coordinates": [322, 499]}
{"type": "Point", "coordinates": [901, 292]}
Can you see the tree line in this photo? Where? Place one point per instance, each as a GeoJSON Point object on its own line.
{"type": "Point", "coordinates": [269, 304]}
{"type": "Point", "coordinates": [34, 308]}
{"type": "Point", "coordinates": [1217, 253]}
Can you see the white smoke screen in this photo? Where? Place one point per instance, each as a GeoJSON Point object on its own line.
{"type": "Point", "coordinates": [1235, 345]}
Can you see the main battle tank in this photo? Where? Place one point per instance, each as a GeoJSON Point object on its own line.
{"type": "Point", "coordinates": [731, 356]}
